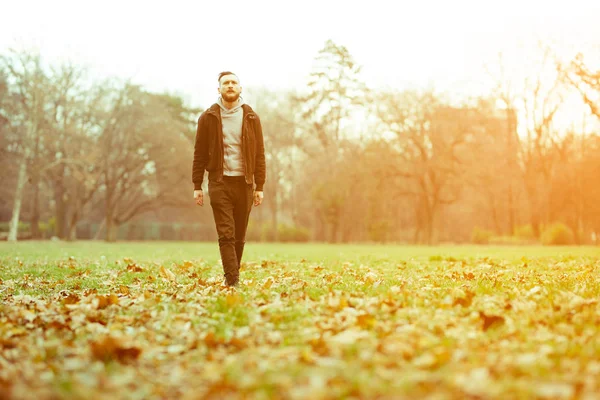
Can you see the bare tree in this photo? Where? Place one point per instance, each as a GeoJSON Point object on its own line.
{"type": "Point", "coordinates": [144, 147]}
{"type": "Point", "coordinates": [335, 96]}
{"type": "Point", "coordinates": [28, 85]}
{"type": "Point", "coordinates": [278, 122]}
{"type": "Point", "coordinates": [504, 92]}
{"type": "Point", "coordinates": [540, 101]}
{"type": "Point", "coordinates": [335, 93]}
{"type": "Point", "coordinates": [429, 137]}
{"type": "Point", "coordinates": [585, 80]}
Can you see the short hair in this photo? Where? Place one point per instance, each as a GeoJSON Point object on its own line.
{"type": "Point", "coordinates": [222, 74]}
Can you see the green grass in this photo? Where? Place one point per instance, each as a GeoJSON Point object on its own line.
{"type": "Point", "coordinates": [152, 320]}
{"type": "Point", "coordinates": [176, 251]}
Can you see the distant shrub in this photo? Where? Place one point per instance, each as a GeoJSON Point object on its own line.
{"type": "Point", "coordinates": [481, 236]}
{"type": "Point", "coordinates": [524, 232]}
{"type": "Point", "coordinates": [509, 240]}
{"type": "Point", "coordinates": [379, 230]}
{"type": "Point", "coordinates": [263, 232]}
{"type": "Point", "coordinates": [267, 233]}
{"type": "Point", "coordinates": [23, 227]}
{"type": "Point", "coordinates": [558, 234]}
{"type": "Point", "coordinates": [288, 233]}
{"type": "Point", "coordinates": [253, 231]}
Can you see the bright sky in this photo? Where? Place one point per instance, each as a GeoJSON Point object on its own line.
{"type": "Point", "coordinates": [180, 46]}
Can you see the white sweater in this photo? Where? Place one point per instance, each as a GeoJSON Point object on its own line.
{"type": "Point", "coordinates": [232, 138]}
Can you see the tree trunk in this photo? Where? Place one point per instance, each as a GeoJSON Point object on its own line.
{"type": "Point", "coordinates": [72, 233]}
{"type": "Point", "coordinates": [35, 210]}
{"type": "Point", "coordinates": [429, 230]}
{"type": "Point", "coordinates": [419, 221]}
{"type": "Point", "coordinates": [534, 206]}
{"type": "Point", "coordinates": [110, 228]}
{"type": "Point", "coordinates": [535, 224]}
{"type": "Point", "coordinates": [511, 211]}
{"type": "Point", "coordinates": [61, 210]}
{"type": "Point", "coordinates": [274, 216]}
{"type": "Point", "coordinates": [417, 233]}
{"type": "Point", "coordinates": [99, 231]}
{"type": "Point", "coordinates": [334, 232]}
{"type": "Point", "coordinates": [429, 214]}
{"type": "Point", "coordinates": [14, 222]}
{"type": "Point", "coordinates": [495, 217]}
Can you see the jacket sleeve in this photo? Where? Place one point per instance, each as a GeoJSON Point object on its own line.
{"type": "Point", "coordinates": [260, 167]}
{"type": "Point", "coordinates": [200, 153]}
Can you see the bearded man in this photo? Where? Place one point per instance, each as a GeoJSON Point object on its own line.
{"type": "Point", "coordinates": [229, 145]}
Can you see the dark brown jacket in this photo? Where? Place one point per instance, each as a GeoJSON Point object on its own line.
{"type": "Point", "coordinates": [208, 149]}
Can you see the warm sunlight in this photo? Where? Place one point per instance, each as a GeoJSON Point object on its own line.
{"type": "Point", "coordinates": [322, 199]}
{"type": "Point", "coordinates": [400, 44]}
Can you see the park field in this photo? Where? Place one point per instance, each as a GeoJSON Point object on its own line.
{"type": "Point", "coordinates": [152, 320]}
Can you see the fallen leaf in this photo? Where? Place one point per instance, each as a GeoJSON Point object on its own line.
{"type": "Point", "coordinates": [71, 299]}
{"type": "Point", "coordinates": [233, 299]}
{"type": "Point", "coordinates": [109, 349]}
{"type": "Point", "coordinates": [166, 274]}
{"type": "Point", "coordinates": [490, 321]}
{"type": "Point", "coordinates": [134, 268]}
{"type": "Point", "coordinates": [268, 283]}
{"type": "Point", "coordinates": [105, 301]}
{"type": "Point", "coordinates": [365, 321]}
{"type": "Point", "coordinates": [464, 299]}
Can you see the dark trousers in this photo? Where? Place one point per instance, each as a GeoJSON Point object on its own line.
{"type": "Point", "coordinates": [231, 202]}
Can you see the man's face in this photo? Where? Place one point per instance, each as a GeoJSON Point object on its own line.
{"type": "Point", "coordinates": [230, 88]}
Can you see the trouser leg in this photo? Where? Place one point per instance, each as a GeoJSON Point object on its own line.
{"type": "Point", "coordinates": [241, 211]}
{"type": "Point", "coordinates": [223, 203]}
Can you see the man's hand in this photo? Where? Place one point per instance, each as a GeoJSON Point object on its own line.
{"type": "Point", "coordinates": [199, 197]}
{"type": "Point", "coordinates": [258, 198]}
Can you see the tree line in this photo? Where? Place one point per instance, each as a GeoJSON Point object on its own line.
{"type": "Point", "coordinates": [346, 163]}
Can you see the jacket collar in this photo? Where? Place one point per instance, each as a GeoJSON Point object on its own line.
{"type": "Point", "coordinates": [215, 110]}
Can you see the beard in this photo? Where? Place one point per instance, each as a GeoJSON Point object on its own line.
{"type": "Point", "coordinates": [230, 97]}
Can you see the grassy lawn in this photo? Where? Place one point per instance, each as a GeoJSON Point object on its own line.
{"type": "Point", "coordinates": [153, 321]}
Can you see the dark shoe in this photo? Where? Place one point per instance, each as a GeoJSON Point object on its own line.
{"type": "Point", "coordinates": [235, 283]}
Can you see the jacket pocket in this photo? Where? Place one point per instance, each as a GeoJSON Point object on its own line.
{"type": "Point", "coordinates": [211, 164]}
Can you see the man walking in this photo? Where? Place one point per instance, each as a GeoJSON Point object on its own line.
{"type": "Point", "coordinates": [229, 145]}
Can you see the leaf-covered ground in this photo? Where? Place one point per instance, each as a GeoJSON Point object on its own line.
{"type": "Point", "coordinates": [154, 321]}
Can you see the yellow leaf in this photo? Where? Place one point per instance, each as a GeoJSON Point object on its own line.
{"type": "Point", "coordinates": [211, 340]}
{"type": "Point", "coordinates": [166, 274]}
{"type": "Point", "coordinates": [319, 346]}
{"type": "Point", "coordinates": [233, 299]}
{"type": "Point", "coordinates": [463, 299]}
{"type": "Point", "coordinates": [426, 360]}
{"type": "Point", "coordinates": [134, 268]}
{"type": "Point", "coordinates": [307, 357]}
{"type": "Point", "coordinates": [113, 299]}
{"type": "Point", "coordinates": [71, 299]}
{"type": "Point", "coordinates": [370, 277]}
{"type": "Point", "coordinates": [102, 302]}
{"type": "Point", "coordinates": [343, 303]}
{"type": "Point", "coordinates": [490, 321]}
{"type": "Point", "coordinates": [268, 283]}
{"type": "Point", "coordinates": [105, 301]}
{"type": "Point", "coordinates": [109, 348]}
{"type": "Point", "coordinates": [366, 321]}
